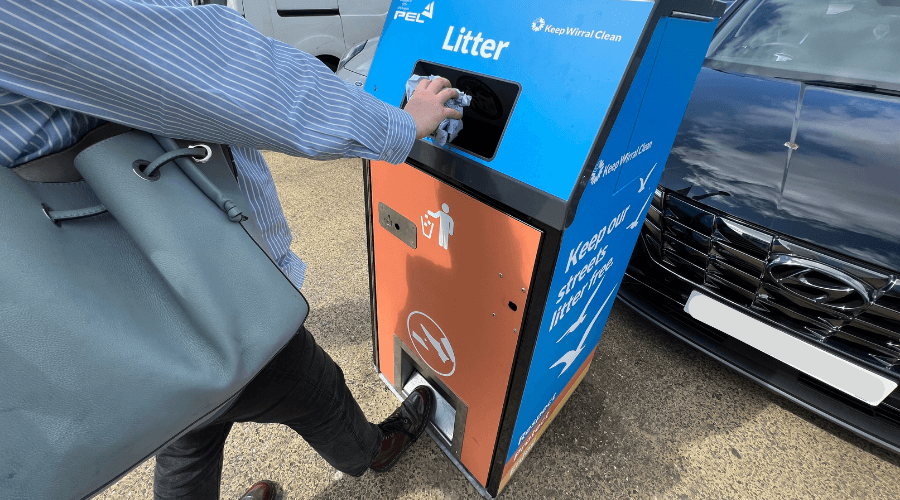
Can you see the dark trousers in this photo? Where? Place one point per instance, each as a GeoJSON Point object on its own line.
{"type": "Point", "coordinates": [302, 388]}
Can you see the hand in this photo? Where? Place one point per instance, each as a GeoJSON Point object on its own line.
{"type": "Point", "coordinates": [426, 105]}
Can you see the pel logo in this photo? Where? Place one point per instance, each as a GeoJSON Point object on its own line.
{"type": "Point", "coordinates": [430, 343]}
{"type": "Point", "coordinates": [415, 17]}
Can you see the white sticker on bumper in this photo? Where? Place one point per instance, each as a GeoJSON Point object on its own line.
{"type": "Point", "coordinates": [818, 363]}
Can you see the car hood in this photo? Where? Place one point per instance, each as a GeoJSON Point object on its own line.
{"type": "Point", "coordinates": [818, 164]}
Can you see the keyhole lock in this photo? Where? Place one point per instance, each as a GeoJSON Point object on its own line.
{"type": "Point", "coordinates": [397, 225]}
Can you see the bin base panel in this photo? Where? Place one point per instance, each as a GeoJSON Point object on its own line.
{"type": "Point", "coordinates": [548, 417]}
{"type": "Point", "coordinates": [435, 434]}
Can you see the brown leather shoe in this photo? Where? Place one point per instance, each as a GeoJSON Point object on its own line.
{"type": "Point", "coordinates": [263, 490]}
{"type": "Point", "coordinates": [403, 427]}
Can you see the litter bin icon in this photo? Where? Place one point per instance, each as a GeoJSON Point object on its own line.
{"type": "Point", "coordinates": [495, 259]}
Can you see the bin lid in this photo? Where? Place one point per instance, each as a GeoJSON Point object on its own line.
{"type": "Point", "coordinates": [568, 60]}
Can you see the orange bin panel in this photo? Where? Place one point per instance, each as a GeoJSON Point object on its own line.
{"type": "Point", "coordinates": [457, 299]}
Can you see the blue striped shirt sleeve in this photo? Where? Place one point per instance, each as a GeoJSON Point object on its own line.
{"type": "Point", "coordinates": [194, 72]}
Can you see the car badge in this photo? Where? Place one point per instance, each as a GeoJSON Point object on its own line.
{"type": "Point", "coordinates": [820, 284]}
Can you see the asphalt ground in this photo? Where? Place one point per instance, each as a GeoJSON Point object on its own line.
{"type": "Point", "coordinates": [652, 419]}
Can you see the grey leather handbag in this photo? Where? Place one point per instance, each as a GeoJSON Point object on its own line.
{"type": "Point", "coordinates": [135, 304]}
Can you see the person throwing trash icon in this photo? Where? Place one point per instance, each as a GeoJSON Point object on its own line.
{"type": "Point", "coordinates": [445, 228]}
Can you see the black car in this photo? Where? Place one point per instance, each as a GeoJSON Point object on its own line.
{"type": "Point", "coordinates": [773, 241]}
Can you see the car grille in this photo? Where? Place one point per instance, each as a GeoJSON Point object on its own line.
{"type": "Point", "coordinates": [844, 306]}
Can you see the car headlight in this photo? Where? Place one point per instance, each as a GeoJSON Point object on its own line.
{"type": "Point", "coordinates": [350, 55]}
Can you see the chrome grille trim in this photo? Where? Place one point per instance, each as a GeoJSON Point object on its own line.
{"type": "Point", "coordinates": [880, 314]}
{"type": "Point", "coordinates": [877, 329]}
{"type": "Point", "coordinates": [685, 251]}
{"type": "Point", "coordinates": [723, 270]}
{"type": "Point", "coordinates": [891, 298]}
{"type": "Point", "coordinates": [731, 260]}
{"type": "Point", "coordinates": [691, 237]}
{"type": "Point", "coordinates": [751, 265]}
{"type": "Point", "coordinates": [653, 229]}
{"type": "Point", "coordinates": [654, 215]}
{"type": "Point", "coordinates": [753, 242]}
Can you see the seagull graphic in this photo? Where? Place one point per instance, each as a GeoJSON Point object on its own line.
{"type": "Point", "coordinates": [569, 357]}
{"type": "Point", "coordinates": [640, 212]}
{"type": "Point", "coordinates": [645, 179]}
{"type": "Point", "coordinates": [583, 315]}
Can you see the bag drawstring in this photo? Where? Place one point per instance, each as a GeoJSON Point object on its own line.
{"type": "Point", "coordinates": [190, 169]}
{"type": "Point", "coordinates": [149, 171]}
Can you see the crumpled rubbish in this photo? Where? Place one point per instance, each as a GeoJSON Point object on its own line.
{"type": "Point", "coordinates": [449, 128]}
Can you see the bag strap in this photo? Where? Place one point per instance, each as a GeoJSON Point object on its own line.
{"type": "Point", "coordinates": [60, 166]}
{"type": "Point", "coordinates": [58, 216]}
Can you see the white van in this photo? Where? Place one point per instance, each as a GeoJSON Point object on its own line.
{"type": "Point", "coordinates": [326, 29]}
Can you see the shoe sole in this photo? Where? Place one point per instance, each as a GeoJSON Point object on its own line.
{"type": "Point", "coordinates": [429, 409]}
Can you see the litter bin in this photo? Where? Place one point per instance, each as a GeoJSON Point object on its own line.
{"type": "Point", "coordinates": [495, 259]}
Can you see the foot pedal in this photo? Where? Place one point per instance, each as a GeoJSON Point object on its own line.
{"type": "Point", "coordinates": [444, 413]}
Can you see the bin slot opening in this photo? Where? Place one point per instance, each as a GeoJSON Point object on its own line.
{"type": "Point", "coordinates": [486, 118]}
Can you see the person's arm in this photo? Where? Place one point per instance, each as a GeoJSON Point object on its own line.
{"type": "Point", "coordinates": [195, 72]}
